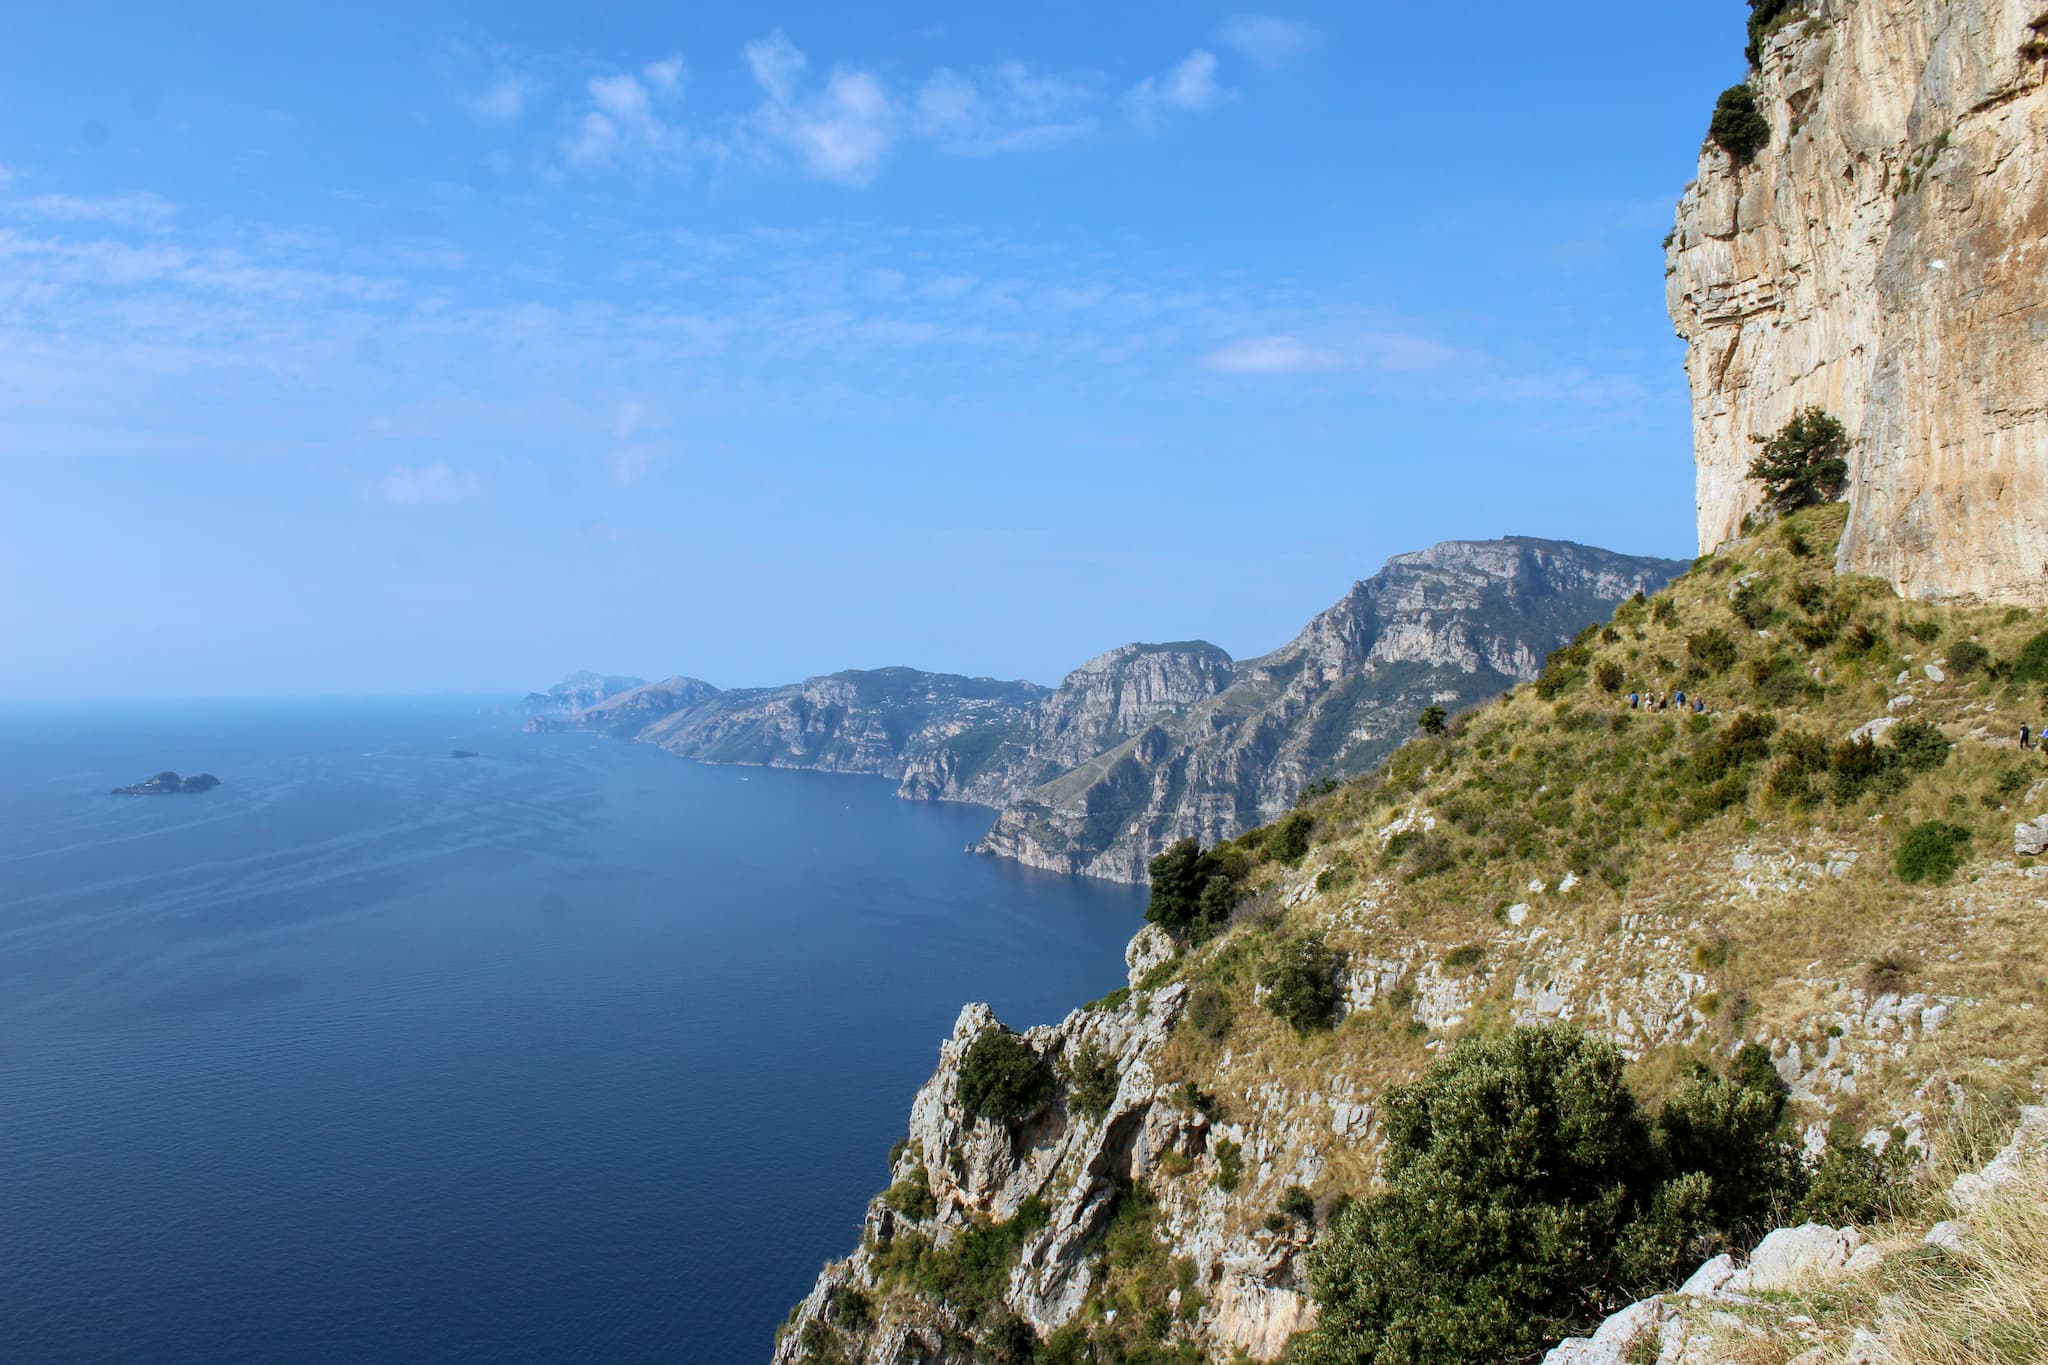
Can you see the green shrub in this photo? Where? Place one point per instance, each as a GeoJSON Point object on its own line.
{"type": "Point", "coordinates": [1930, 851]}
{"type": "Point", "coordinates": [1194, 890]}
{"type": "Point", "coordinates": [912, 1196]}
{"type": "Point", "coordinates": [1287, 842]}
{"type": "Point", "coordinates": [1609, 675]}
{"type": "Point", "coordinates": [1730, 1130]}
{"type": "Point", "coordinates": [1664, 611]}
{"type": "Point", "coordinates": [1926, 630]}
{"type": "Point", "coordinates": [1738, 126]}
{"type": "Point", "coordinates": [1524, 1196]}
{"type": "Point", "coordinates": [1301, 982]}
{"type": "Point", "coordinates": [1752, 606]}
{"type": "Point", "coordinates": [1920, 746]}
{"type": "Point", "coordinates": [1853, 1184]}
{"type": "Point", "coordinates": [1296, 1202]}
{"type": "Point", "coordinates": [1003, 1078]}
{"type": "Point", "coordinates": [2032, 663]}
{"type": "Point", "coordinates": [1805, 464]}
{"type": "Point", "coordinates": [1765, 18]}
{"type": "Point", "coordinates": [1743, 741]}
{"type": "Point", "coordinates": [1433, 720]}
{"type": "Point", "coordinates": [1229, 1164]}
{"type": "Point", "coordinates": [1711, 652]}
{"type": "Point", "coordinates": [1966, 657]}
{"type": "Point", "coordinates": [1858, 764]}
{"type": "Point", "coordinates": [1468, 955]}
{"type": "Point", "coordinates": [1091, 1081]}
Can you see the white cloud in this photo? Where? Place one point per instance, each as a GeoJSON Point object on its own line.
{"type": "Point", "coordinates": [1005, 109]}
{"type": "Point", "coordinates": [410, 486]}
{"type": "Point", "coordinates": [627, 120]}
{"type": "Point", "coordinates": [1189, 86]}
{"type": "Point", "coordinates": [1271, 355]}
{"type": "Point", "coordinates": [504, 101]}
{"type": "Point", "coordinates": [1266, 41]}
{"type": "Point", "coordinates": [839, 134]}
{"type": "Point", "coordinates": [148, 212]}
{"type": "Point", "coordinates": [666, 75]}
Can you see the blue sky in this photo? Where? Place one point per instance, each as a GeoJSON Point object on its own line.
{"type": "Point", "coordinates": [400, 348]}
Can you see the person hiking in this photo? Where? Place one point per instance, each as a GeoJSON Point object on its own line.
{"type": "Point", "coordinates": [1699, 705]}
{"type": "Point", "coordinates": [1635, 701]}
{"type": "Point", "coordinates": [2025, 742]}
{"type": "Point", "coordinates": [1679, 697]}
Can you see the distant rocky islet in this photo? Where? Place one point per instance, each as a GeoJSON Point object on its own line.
{"type": "Point", "coordinates": [167, 783]}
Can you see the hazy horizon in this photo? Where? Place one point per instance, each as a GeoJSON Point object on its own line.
{"type": "Point", "coordinates": [408, 354]}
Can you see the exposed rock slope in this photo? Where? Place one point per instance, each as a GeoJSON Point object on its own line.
{"type": "Point", "coordinates": [1642, 874]}
{"type": "Point", "coordinates": [874, 721]}
{"type": "Point", "coordinates": [577, 692]}
{"type": "Point", "coordinates": [1886, 258]}
{"type": "Point", "coordinates": [1452, 624]}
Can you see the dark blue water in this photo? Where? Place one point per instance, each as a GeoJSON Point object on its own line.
{"type": "Point", "coordinates": [574, 1051]}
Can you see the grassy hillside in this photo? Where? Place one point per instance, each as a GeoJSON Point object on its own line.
{"type": "Point", "coordinates": [1777, 871]}
{"type": "Point", "coordinates": [1683, 882]}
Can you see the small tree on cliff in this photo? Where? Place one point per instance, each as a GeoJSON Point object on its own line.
{"type": "Point", "coordinates": [1432, 721]}
{"type": "Point", "coordinates": [1806, 463]}
{"type": "Point", "coordinates": [1738, 126]}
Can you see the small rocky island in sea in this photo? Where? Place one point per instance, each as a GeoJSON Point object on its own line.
{"type": "Point", "coordinates": [464, 753]}
{"type": "Point", "coordinates": [166, 782]}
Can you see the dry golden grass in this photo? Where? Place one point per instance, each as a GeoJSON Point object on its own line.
{"type": "Point", "coordinates": [1534, 787]}
{"type": "Point", "coordinates": [1986, 1301]}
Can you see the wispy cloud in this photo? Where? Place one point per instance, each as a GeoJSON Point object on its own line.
{"type": "Point", "coordinates": [1005, 109]}
{"type": "Point", "coordinates": [503, 100]}
{"type": "Point", "coordinates": [1271, 355]}
{"type": "Point", "coordinates": [840, 133]}
{"type": "Point", "coordinates": [1189, 86]}
{"type": "Point", "coordinates": [410, 486]}
{"type": "Point", "coordinates": [627, 118]}
{"type": "Point", "coordinates": [1266, 41]}
{"type": "Point", "coordinates": [142, 211]}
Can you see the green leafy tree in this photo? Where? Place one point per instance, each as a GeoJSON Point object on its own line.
{"type": "Point", "coordinates": [1805, 464]}
{"type": "Point", "coordinates": [1738, 127]}
{"type": "Point", "coordinates": [1433, 720]}
{"type": "Point", "coordinates": [1003, 1078]}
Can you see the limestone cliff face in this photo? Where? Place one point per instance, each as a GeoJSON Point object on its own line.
{"type": "Point", "coordinates": [1452, 624]}
{"type": "Point", "coordinates": [872, 721]}
{"type": "Point", "coordinates": [1097, 706]}
{"type": "Point", "coordinates": [1886, 258]}
{"type": "Point", "coordinates": [628, 713]}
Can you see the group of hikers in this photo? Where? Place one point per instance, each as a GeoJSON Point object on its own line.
{"type": "Point", "coordinates": [2034, 739]}
{"type": "Point", "coordinates": [1667, 701]}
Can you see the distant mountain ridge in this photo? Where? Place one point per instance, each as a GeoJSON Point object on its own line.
{"type": "Point", "coordinates": [1148, 743]}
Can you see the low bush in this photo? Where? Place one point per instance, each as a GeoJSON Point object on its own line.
{"type": "Point", "coordinates": [1229, 1164]}
{"type": "Point", "coordinates": [1003, 1078]}
{"type": "Point", "coordinates": [1525, 1196]}
{"type": "Point", "coordinates": [2031, 664]}
{"type": "Point", "coordinates": [1711, 652]}
{"type": "Point", "coordinates": [1920, 746]}
{"type": "Point", "coordinates": [1300, 982]}
{"type": "Point", "coordinates": [1209, 1013]}
{"type": "Point", "coordinates": [1930, 851]}
{"type": "Point", "coordinates": [1853, 1184]}
{"type": "Point", "coordinates": [1609, 675]}
{"type": "Point", "coordinates": [1966, 657]}
{"type": "Point", "coordinates": [1091, 1081]}
{"type": "Point", "coordinates": [912, 1196]}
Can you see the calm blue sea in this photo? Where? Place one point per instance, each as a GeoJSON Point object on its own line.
{"type": "Point", "coordinates": [575, 1051]}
